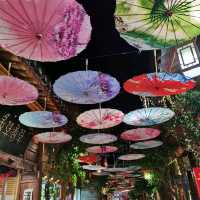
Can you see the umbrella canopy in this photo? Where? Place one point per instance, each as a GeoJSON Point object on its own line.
{"type": "Point", "coordinates": [42, 119]}
{"type": "Point", "coordinates": [140, 134]}
{"type": "Point", "coordinates": [157, 24]}
{"type": "Point", "coordinates": [15, 92]}
{"type": "Point", "coordinates": [122, 169]}
{"type": "Point", "coordinates": [100, 173]}
{"type": "Point", "coordinates": [93, 167]}
{"type": "Point", "coordinates": [98, 138]}
{"type": "Point", "coordinates": [101, 149]}
{"type": "Point", "coordinates": [45, 30]}
{"type": "Point", "coordinates": [86, 87]}
{"type": "Point", "coordinates": [159, 84]}
{"type": "Point", "coordinates": [100, 118]}
{"type": "Point", "coordinates": [147, 144]}
{"type": "Point", "coordinates": [89, 159]}
{"type": "Point", "coordinates": [130, 157]}
{"type": "Point", "coordinates": [148, 116]}
{"type": "Point", "coordinates": [52, 138]}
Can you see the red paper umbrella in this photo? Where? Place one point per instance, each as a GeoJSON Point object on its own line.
{"type": "Point", "coordinates": [130, 157]}
{"type": "Point", "coordinates": [159, 84]}
{"type": "Point", "coordinates": [89, 159]}
{"type": "Point", "coordinates": [14, 91]}
{"type": "Point", "coordinates": [140, 134]}
{"type": "Point", "coordinates": [100, 118]}
{"type": "Point", "coordinates": [52, 138]}
{"type": "Point", "coordinates": [44, 30]}
{"type": "Point", "coordinates": [101, 149]}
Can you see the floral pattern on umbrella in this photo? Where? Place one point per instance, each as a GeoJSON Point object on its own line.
{"type": "Point", "coordinates": [140, 134]}
{"type": "Point", "coordinates": [147, 144]}
{"type": "Point", "coordinates": [15, 92]}
{"type": "Point", "coordinates": [157, 24]}
{"type": "Point", "coordinates": [86, 87]}
{"type": "Point", "coordinates": [43, 119]}
{"type": "Point", "coordinates": [100, 118]}
{"type": "Point", "coordinates": [98, 138]}
{"type": "Point", "coordinates": [52, 138]}
{"type": "Point", "coordinates": [148, 116]}
{"type": "Point", "coordinates": [159, 84]}
{"type": "Point", "coordinates": [130, 157]}
{"type": "Point", "coordinates": [101, 149]}
{"type": "Point", "coordinates": [45, 30]}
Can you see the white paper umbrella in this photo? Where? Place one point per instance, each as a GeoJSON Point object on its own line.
{"type": "Point", "coordinates": [100, 118]}
{"type": "Point", "coordinates": [86, 87]}
{"type": "Point", "coordinates": [52, 138]}
{"type": "Point", "coordinates": [42, 119]}
{"type": "Point", "coordinates": [100, 174]}
{"type": "Point", "coordinates": [98, 138]}
{"type": "Point", "coordinates": [93, 167]}
{"type": "Point", "coordinates": [148, 116]}
{"type": "Point", "coordinates": [147, 144]}
{"type": "Point", "coordinates": [130, 157]}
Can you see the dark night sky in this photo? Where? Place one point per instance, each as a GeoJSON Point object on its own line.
{"type": "Point", "coordinates": [107, 52]}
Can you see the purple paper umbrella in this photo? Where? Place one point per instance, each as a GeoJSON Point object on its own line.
{"type": "Point", "coordinates": [43, 119]}
{"type": "Point", "coordinates": [86, 87]}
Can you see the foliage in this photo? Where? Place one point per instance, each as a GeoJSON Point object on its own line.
{"type": "Point", "coordinates": [67, 167]}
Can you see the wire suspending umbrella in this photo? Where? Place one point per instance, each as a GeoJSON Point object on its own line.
{"type": "Point", "coordinates": [159, 84]}
{"type": "Point", "coordinates": [101, 149]}
{"type": "Point", "coordinates": [157, 24]}
{"type": "Point", "coordinates": [147, 144]}
{"type": "Point", "coordinates": [45, 30]}
{"type": "Point", "coordinates": [86, 87]}
{"type": "Point", "coordinates": [15, 92]}
{"type": "Point", "coordinates": [98, 138]}
{"type": "Point", "coordinates": [42, 119]}
{"type": "Point", "coordinates": [52, 138]}
{"type": "Point", "coordinates": [100, 118]}
{"type": "Point", "coordinates": [148, 116]}
{"type": "Point", "coordinates": [139, 134]}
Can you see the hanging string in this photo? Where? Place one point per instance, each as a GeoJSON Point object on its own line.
{"type": "Point", "coordinates": [9, 68]}
{"type": "Point", "coordinates": [86, 64]}
{"type": "Point", "coordinates": [100, 114]}
{"type": "Point", "coordinates": [155, 61]}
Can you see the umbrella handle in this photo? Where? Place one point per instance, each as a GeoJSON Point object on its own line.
{"type": "Point", "coordinates": [9, 68]}
{"type": "Point", "coordinates": [86, 64]}
{"type": "Point", "coordinates": [155, 61]}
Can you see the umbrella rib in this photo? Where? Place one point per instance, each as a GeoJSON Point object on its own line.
{"type": "Point", "coordinates": [188, 22]}
{"type": "Point", "coordinates": [166, 34]}
{"type": "Point", "coordinates": [16, 25]}
{"type": "Point", "coordinates": [33, 50]}
{"type": "Point", "coordinates": [19, 14]}
{"type": "Point", "coordinates": [178, 23]}
{"type": "Point", "coordinates": [26, 13]}
{"type": "Point", "coordinates": [36, 15]}
{"type": "Point", "coordinates": [50, 18]}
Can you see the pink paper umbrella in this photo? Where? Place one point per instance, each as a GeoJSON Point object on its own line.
{"type": "Point", "coordinates": [140, 134]}
{"type": "Point", "coordinates": [98, 138]}
{"type": "Point", "coordinates": [101, 149]}
{"type": "Point", "coordinates": [130, 157]}
{"type": "Point", "coordinates": [100, 118]}
{"type": "Point", "coordinates": [15, 92]}
{"type": "Point", "coordinates": [42, 119]}
{"type": "Point", "coordinates": [44, 30]}
{"type": "Point", "coordinates": [52, 138]}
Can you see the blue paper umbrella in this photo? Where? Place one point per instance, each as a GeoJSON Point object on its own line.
{"type": "Point", "coordinates": [86, 87]}
{"type": "Point", "coordinates": [148, 116]}
{"type": "Point", "coordinates": [147, 144]}
{"type": "Point", "coordinates": [43, 119]}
